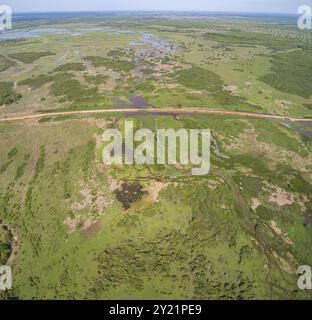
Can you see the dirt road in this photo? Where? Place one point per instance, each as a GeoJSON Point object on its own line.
{"type": "Point", "coordinates": [153, 111]}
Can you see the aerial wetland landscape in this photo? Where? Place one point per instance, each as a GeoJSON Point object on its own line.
{"type": "Point", "coordinates": [72, 227]}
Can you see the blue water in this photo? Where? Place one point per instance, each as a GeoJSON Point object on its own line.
{"type": "Point", "coordinates": [27, 33]}
{"type": "Point", "coordinates": [22, 21]}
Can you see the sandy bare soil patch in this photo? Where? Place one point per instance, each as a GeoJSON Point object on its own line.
{"type": "Point", "coordinates": [164, 67]}
{"type": "Point", "coordinates": [255, 204]}
{"type": "Point", "coordinates": [114, 184]}
{"type": "Point", "coordinates": [232, 89]}
{"type": "Point", "coordinates": [100, 123]}
{"type": "Point", "coordinates": [154, 189]}
{"type": "Point", "coordinates": [247, 142]}
{"type": "Point", "coordinates": [93, 196]}
{"type": "Point", "coordinates": [281, 233]}
{"type": "Point", "coordinates": [283, 103]}
{"type": "Point", "coordinates": [281, 197]}
{"type": "Point", "coordinates": [213, 184]}
{"type": "Point", "coordinates": [172, 85]}
{"type": "Point", "coordinates": [286, 266]}
{"type": "Point", "coordinates": [91, 227]}
{"type": "Point", "coordinates": [72, 223]}
{"type": "Point", "coordinates": [98, 140]}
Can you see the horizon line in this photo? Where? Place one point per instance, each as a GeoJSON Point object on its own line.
{"type": "Point", "coordinates": [159, 11]}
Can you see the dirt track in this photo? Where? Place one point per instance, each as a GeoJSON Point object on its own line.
{"type": "Point", "coordinates": [153, 111]}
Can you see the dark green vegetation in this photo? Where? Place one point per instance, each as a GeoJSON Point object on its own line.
{"type": "Point", "coordinates": [98, 79]}
{"type": "Point", "coordinates": [194, 242]}
{"type": "Point", "coordinates": [197, 78]}
{"type": "Point", "coordinates": [182, 259]}
{"type": "Point", "coordinates": [90, 231]}
{"type": "Point", "coordinates": [291, 72]}
{"type": "Point", "coordinates": [70, 67]}
{"type": "Point", "coordinates": [129, 194]}
{"type": "Point", "coordinates": [71, 89]}
{"type": "Point", "coordinates": [116, 53]}
{"type": "Point", "coordinates": [36, 82]}
{"type": "Point", "coordinates": [147, 86]}
{"type": "Point", "coordinates": [116, 65]}
{"type": "Point", "coordinates": [4, 244]}
{"type": "Point", "coordinates": [20, 169]}
{"type": "Point", "coordinates": [201, 79]}
{"type": "Point", "coordinates": [5, 63]}
{"type": "Point", "coordinates": [30, 57]}
{"type": "Point", "coordinates": [147, 71]}
{"type": "Point", "coordinates": [8, 94]}
{"type": "Point", "coordinates": [63, 85]}
{"type": "Point", "coordinates": [238, 37]}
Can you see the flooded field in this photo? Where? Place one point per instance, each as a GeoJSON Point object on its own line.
{"type": "Point", "coordinates": [135, 102]}
{"type": "Point", "coordinates": [146, 47]}
{"type": "Point", "coordinates": [155, 231]}
{"type": "Point", "coordinates": [17, 34]}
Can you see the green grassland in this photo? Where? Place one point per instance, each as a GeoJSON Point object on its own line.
{"type": "Point", "coordinates": [7, 93]}
{"type": "Point", "coordinates": [117, 65]}
{"type": "Point", "coordinates": [4, 245]}
{"type": "Point", "coordinates": [70, 67]}
{"type": "Point", "coordinates": [199, 240]}
{"type": "Point", "coordinates": [29, 57]}
{"type": "Point", "coordinates": [5, 63]}
{"type": "Point", "coordinates": [87, 231]}
{"type": "Point", "coordinates": [247, 63]}
{"type": "Point", "coordinates": [287, 76]}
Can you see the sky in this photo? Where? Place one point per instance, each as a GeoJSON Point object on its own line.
{"type": "Point", "coordinates": [273, 6]}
